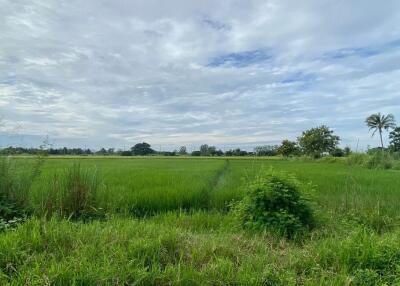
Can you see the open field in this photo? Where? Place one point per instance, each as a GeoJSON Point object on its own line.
{"type": "Point", "coordinates": [168, 223]}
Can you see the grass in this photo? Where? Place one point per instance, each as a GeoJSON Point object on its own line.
{"type": "Point", "coordinates": [168, 223]}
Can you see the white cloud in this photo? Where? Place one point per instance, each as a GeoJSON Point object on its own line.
{"type": "Point", "coordinates": [98, 72]}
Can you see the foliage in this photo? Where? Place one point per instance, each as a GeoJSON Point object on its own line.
{"type": "Point", "coordinates": [142, 149]}
{"type": "Point", "coordinates": [182, 150]}
{"type": "Point", "coordinates": [379, 122]}
{"type": "Point", "coordinates": [318, 140]}
{"type": "Point", "coordinates": [196, 153]}
{"type": "Point", "coordinates": [337, 152]}
{"type": "Point", "coordinates": [206, 150]}
{"type": "Point", "coordinates": [288, 148]}
{"type": "Point", "coordinates": [72, 194]}
{"type": "Point", "coordinates": [276, 202]}
{"type": "Point", "coordinates": [347, 151]}
{"type": "Point", "coordinates": [394, 137]}
{"type": "Point", "coordinates": [266, 150]}
{"type": "Point", "coordinates": [237, 152]}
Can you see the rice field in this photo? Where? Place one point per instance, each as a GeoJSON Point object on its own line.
{"type": "Point", "coordinates": [168, 222]}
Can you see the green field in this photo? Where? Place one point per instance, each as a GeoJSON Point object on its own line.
{"type": "Point", "coordinates": [167, 222]}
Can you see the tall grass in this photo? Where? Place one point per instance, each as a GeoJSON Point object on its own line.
{"type": "Point", "coordinates": [71, 193]}
{"type": "Point", "coordinates": [152, 252]}
{"type": "Point", "coordinates": [15, 187]}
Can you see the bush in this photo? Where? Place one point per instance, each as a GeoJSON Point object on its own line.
{"type": "Point", "coordinates": [276, 202]}
{"type": "Point", "coordinates": [72, 194]}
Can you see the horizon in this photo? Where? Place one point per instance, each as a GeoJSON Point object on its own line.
{"type": "Point", "coordinates": [231, 75]}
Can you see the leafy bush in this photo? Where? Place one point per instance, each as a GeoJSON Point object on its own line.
{"type": "Point", "coordinates": [276, 202]}
{"type": "Point", "coordinates": [72, 194]}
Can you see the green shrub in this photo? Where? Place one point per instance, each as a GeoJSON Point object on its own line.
{"type": "Point", "coordinates": [72, 194]}
{"type": "Point", "coordinates": [278, 203]}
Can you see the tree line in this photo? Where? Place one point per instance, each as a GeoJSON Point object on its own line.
{"type": "Point", "coordinates": [315, 142]}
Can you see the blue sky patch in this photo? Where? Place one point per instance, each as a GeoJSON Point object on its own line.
{"type": "Point", "coordinates": [241, 59]}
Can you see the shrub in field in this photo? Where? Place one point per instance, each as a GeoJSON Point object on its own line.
{"type": "Point", "coordinates": [72, 194]}
{"type": "Point", "coordinates": [276, 202]}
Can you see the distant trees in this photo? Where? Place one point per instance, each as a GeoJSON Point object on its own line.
{"type": "Point", "coordinates": [196, 153]}
{"type": "Point", "coordinates": [317, 141]}
{"type": "Point", "coordinates": [288, 148]}
{"type": "Point", "coordinates": [379, 122]}
{"type": "Point", "coordinates": [394, 137]}
{"type": "Point", "coordinates": [182, 150]}
{"type": "Point", "coordinates": [142, 149]}
{"type": "Point", "coordinates": [51, 151]}
{"type": "Point", "coordinates": [266, 150]}
{"type": "Point", "coordinates": [206, 150]}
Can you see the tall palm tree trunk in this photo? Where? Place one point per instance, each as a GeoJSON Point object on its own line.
{"type": "Point", "coordinates": [380, 134]}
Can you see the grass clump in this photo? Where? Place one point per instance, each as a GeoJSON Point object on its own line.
{"type": "Point", "coordinates": [15, 186]}
{"type": "Point", "coordinates": [380, 160]}
{"type": "Point", "coordinates": [276, 202]}
{"type": "Point", "coordinates": [72, 194]}
{"type": "Point", "coordinates": [357, 159]}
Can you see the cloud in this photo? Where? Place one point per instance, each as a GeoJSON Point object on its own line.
{"type": "Point", "coordinates": [109, 74]}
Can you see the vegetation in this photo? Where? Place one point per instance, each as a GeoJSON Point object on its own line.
{"type": "Point", "coordinates": [288, 148]}
{"type": "Point", "coordinates": [198, 221]}
{"type": "Point", "coordinates": [184, 233]}
{"type": "Point", "coordinates": [71, 194]}
{"type": "Point", "coordinates": [276, 202]}
{"type": "Point", "coordinates": [394, 137]}
{"type": "Point", "coordinates": [317, 141]}
{"type": "Point", "coordinates": [379, 122]}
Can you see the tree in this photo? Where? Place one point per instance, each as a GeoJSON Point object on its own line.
{"type": "Point", "coordinates": [394, 137]}
{"type": "Point", "coordinates": [288, 148]}
{"type": "Point", "coordinates": [317, 141]}
{"type": "Point", "coordinates": [337, 152]}
{"type": "Point", "coordinates": [379, 122]}
{"type": "Point", "coordinates": [142, 149]}
{"type": "Point", "coordinates": [182, 150]}
{"type": "Point", "coordinates": [196, 153]}
{"type": "Point", "coordinates": [206, 150]}
{"type": "Point", "coordinates": [347, 151]}
{"type": "Point", "coordinates": [266, 150]}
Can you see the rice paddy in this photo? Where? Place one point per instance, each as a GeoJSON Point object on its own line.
{"type": "Point", "coordinates": [168, 222]}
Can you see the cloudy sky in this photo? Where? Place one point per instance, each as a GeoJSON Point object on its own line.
{"type": "Point", "coordinates": [229, 73]}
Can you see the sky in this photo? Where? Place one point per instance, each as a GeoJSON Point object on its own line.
{"type": "Point", "coordinates": [228, 73]}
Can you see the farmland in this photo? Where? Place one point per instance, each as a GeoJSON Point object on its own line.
{"type": "Point", "coordinates": [167, 221]}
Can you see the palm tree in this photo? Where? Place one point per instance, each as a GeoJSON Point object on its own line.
{"type": "Point", "coordinates": [379, 122]}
